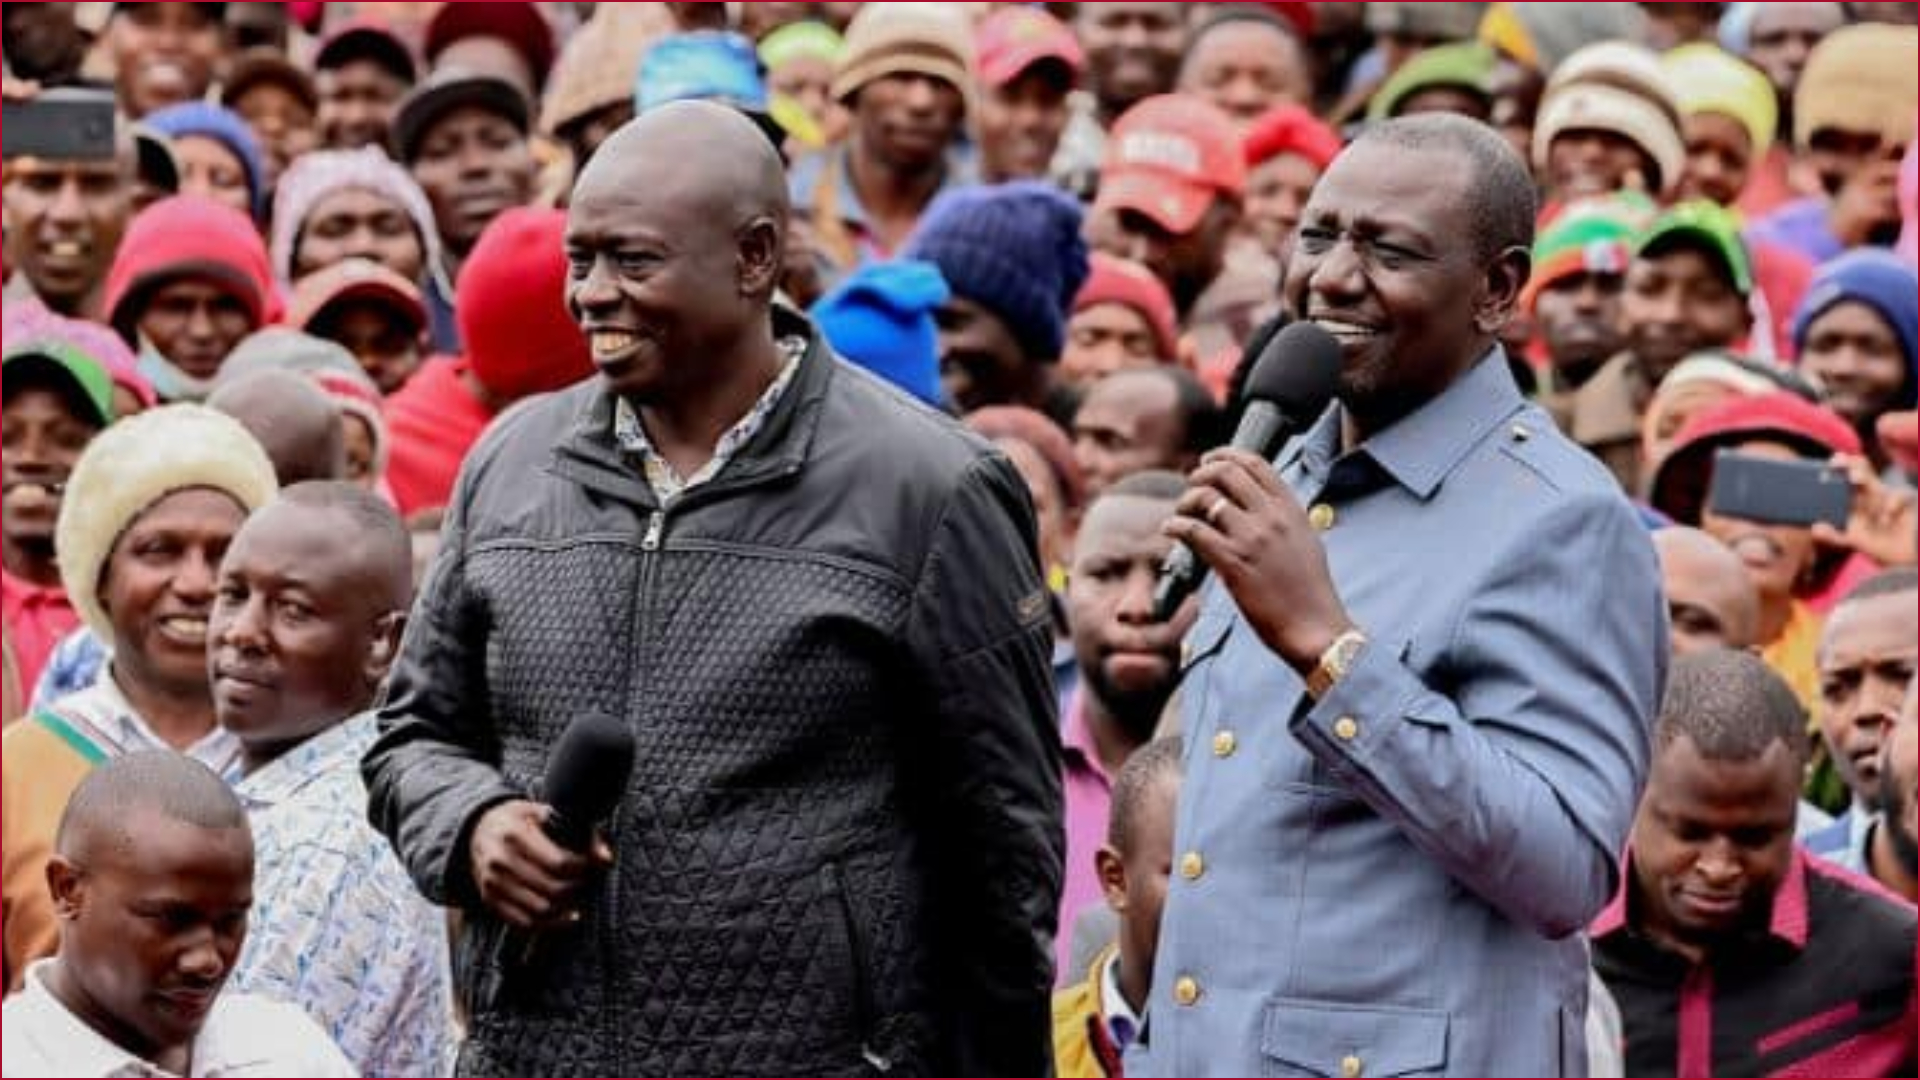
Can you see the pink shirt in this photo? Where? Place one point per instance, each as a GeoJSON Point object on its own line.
{"type": "Point", "coordinates": [1089, 793]}
{"type": "Point", "coordinates": [36, 618]}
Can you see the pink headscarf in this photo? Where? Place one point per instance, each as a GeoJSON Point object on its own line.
{"type": "Point", "coordinates": [30, 319]}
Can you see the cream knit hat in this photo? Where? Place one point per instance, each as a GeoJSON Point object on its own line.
{"type": "Point", "coordinates": [136, 463]}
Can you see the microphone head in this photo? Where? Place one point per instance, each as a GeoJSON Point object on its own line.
{"type": "Point", "coordinates": [1297, 371]}
{"type": "Point", "coordinates": [588, 768]}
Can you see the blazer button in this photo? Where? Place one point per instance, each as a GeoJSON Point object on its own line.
{"type": "Point", "coordinates": [1185, 990]}
{"type": "Point", "coordinates": [1320, 516]}
{"type": "Point", "coordinates": [1350, 1065]}
{"type": "Point", "coordinates": [1192, 866]}
{"type": "Point", "coordinates": [1346, 729]}
{"type": "Point", "coordinates": [1224, 744]}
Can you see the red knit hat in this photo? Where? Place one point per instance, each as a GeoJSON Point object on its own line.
{"type": "Point", "coordinates": [184, 236]}
{"type": "Point", "coordinates": [1118, 281]}
{"type": "Point", "coordinates": [1679, 483]}
{"type": "Point", "coordinates": [511, 304]}
{"type": "Point", "coordinates": [1290, 127]}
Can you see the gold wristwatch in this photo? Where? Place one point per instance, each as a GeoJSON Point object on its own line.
{"type": "Point", "coordinates": [1335, 662]}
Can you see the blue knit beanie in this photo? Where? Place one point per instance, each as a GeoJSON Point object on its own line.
{"type": "Point", "coordinates": [1876, 278]}
{"type": "Point", "coordinates": [1014, 249]}
{"type": "Point", "coordinates": [224, 126]}
{"type": "Point", "coordinates": [881, 318]}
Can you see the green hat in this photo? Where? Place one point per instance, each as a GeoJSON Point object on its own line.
{"type": "Point", "coordinates": [70, 364]}
{"type": "Point", "coordinates": [1707, 226]}
{"type": "Point", "coordinates": [1461, 66]}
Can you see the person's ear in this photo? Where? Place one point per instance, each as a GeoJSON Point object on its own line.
{"type": "Point", "coordinates": [67, 883]}
{"type": "Point", "coordinates": [384, 646]}
{"type": "Point", "coordinates": [1506, 276]}
{"type": "Point", "coordinates": [1112, 872]}
{"type": "Point", "coordinates": [761, 253]}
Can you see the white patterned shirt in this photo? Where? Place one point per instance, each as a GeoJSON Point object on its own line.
{"type": "Point", "coordinates": [667, 484]}
{"type": "Point", "coordinates": [243, 1036]}
{"type": "Point", "coordinates": [337, 926]}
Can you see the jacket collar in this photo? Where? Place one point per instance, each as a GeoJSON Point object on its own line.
{"type": "Point", "coordinates": [588, 454]}
{"type": "Point", "coordinates": [1787, 918]}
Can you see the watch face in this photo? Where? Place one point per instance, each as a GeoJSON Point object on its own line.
{"type": "Point", "coordinates": [1345, 652]}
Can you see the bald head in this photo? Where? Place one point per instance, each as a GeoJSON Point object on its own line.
{"type": "Point", "coordinates": [122, 791]}
{"type": "Point", "coordinates": [697, 147]}
{"type": "Point", "coordinates": [1711, 601]}
{"type": "Point", "coordinates": [295, 421]}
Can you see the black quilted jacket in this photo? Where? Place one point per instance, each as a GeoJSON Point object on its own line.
{"type": "Point", "coordinates": [841, 848]}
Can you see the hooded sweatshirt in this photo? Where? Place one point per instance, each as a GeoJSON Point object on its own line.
{"type": "Point", "coordinates": [186, 236]}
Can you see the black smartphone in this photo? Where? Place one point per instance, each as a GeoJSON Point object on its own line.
{"type": "Point", "coordinates": [1778, 492]}
{"type": "Point", "coordinates": [63, 123]}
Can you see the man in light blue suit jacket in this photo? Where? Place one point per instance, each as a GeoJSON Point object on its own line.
{"type": "Point", "coordinates": [1419, 692]}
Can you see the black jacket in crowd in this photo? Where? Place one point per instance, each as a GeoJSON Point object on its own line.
{"type": "Point", "coordinates": [841, 848]}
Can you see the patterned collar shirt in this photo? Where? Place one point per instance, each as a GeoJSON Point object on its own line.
{"type": "Point", "coordinates": [667, 484]}
{"type": "Point", "coordinates": [337, 924]}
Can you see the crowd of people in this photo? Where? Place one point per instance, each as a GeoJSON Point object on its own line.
{"type": "Point", "coordinates": [814, 391]}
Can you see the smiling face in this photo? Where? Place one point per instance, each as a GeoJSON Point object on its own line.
{"type": "Point", "coordinates": [151, 925]}
{"type": "Point", "coordinates": [1712, 842]}
{"type": "Point", "coordinates": [1858, 362]}
{"type": "Point", "coordinates": [1719, 158]}
{"type": "Point", "coordinates": [158, 588]}
{"type": "Point", "coordinates": [163, 53]}
{"type": "Point", "coordinates": [44, 434]}
{"type": "Point", "coordinates": [1021, 122]}
{"type": "Point", "coordinates": [664, 267]}
{"type": "Point", "coordinates": [1385, 262]}
{"type": "Point", "coordinates": [1680, 301]}
{"type": "Point", "coordinates": [64, 222]}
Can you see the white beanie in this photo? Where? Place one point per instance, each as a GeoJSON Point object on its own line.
{"type": "Point", "coordinates": [131, 466]}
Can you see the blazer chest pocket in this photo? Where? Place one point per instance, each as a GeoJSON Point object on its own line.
{"type": "Point", "coordinates": [1316, 1038]}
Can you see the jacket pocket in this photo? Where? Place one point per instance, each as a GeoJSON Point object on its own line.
{"type": "Point", "coordinates": [859, 957]}
{"type": "Point", "coordinates": [1332, 1039]}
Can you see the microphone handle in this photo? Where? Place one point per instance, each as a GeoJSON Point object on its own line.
{"type": "Point", "coordinates": [1263, 429]}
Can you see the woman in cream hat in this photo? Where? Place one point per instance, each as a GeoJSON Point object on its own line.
{"type": "Point", "coordinates": [150, 508]}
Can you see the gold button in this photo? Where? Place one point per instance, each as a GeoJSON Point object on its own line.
{"type": "Point", "coordinates": [1320, 516]}
{"type": "Point", "coordinates": [1350, 1065]}
{"type": "Point", "coordinates": [1192, 866]}
{"type": "Point", "coordinates": [1346, 728]}
{"type": "Point", "coordinates": [1185, 990]}
{"type": "Point", "coordinates": [1224, 744]}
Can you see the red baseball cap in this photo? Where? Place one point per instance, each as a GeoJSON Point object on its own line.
{"type": "Point", "coordinates": [1169, 157]}
{"type": "Point", "coordinates": [350, 279]}
{"type": "Point", "coordinates": [1013, 39]}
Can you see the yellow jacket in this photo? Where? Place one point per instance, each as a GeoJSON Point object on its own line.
{"type": "Point", "coordinates": [1082, 1046]}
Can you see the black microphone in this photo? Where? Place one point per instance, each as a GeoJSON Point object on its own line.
{"type": "Point", "coordinates": [587, 774]}
{"type": "Point", "coordinates": [1291, 384]}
